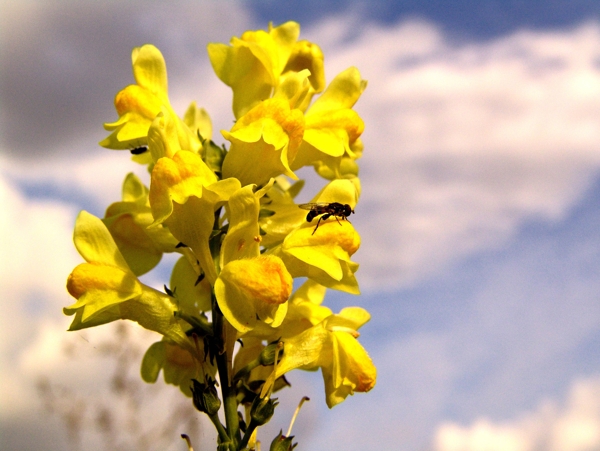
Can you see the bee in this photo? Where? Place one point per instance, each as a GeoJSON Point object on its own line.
{"type": "Point", "coordinates": [138, 150]}
{"type": "Point", "coordinates": [334, 209]}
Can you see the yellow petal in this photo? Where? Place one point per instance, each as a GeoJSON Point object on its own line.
{"type": "Point", "coordinates": [175, 180]}
{"type": "Point", "coordinates": [251, 66]}
{"type": "Point", "coordinates": [192, 297]}
{"type": "Point", "coordinates": [296, 89]}
{"type": "Point", "coordinates": [136, 246]}
{"type": "Point", "coordinates": [128, 222]}
{"type": "Point", "coordinates": [243, 237]}
{"type": "Point", "coordinates": [308, 55]}
{"type": "Point", "coordinates": [343, 92]}
{"type": "Point", "coordinates": [350, 370]}
{"type": "Point", "coordinates": [94, 242]}
{"type": "Point", "coordinates": [251, 288]}
{"type": "Point", "coordinates": [198, 121]}
{"type": "Point", "coordinates": [97, 287]}
{"type": "Point", "coordinates": [324, 249]}
{"type": "Point", "coordinates": [134, 190]}
{"type": "Point", "coordinates": [264, 142]}
{"type": "Point", "coordinates": [331, 132]}
{"type": "Point", "coordinates": [150, 70]}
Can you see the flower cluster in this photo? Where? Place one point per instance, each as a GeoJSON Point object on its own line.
{"type": "Point", "coordinates": [231, 215]}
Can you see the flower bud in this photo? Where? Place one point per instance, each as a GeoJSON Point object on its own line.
{"type": "Point", "coordinates": [267, 355]}
{"type": "Point", "coordinates": [205, 397]}
{"type": "Point", "coordinates": [282, 443]}
{"type": "Point", "coordinates": [262, 410]}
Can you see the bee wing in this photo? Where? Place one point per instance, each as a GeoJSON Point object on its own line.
{"type": "Point", "coordinates": [313, 205]}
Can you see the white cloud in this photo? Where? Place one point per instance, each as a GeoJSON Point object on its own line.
{"type": "Point", "coordinates": [467, 141]}
{"type": "Point", "coordinates": [37, 255]}
{"type": "Point", "coordinates": [96, 179]}
{"type": "Point", "coordinates": [574, 426]}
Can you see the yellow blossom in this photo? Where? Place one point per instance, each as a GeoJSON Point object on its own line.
{"type": "Point", "coordinates": [307, 55]}
{"type": "Point", "coordinates": [251, 66]}
{"type": "Point", "coordinates": [138, 104]}
{"type": "Point", "coordinates": [305, 310]}
{"type": "Point", "coordinates": [332, 127]}
{"type": "Point", "coordinates": [332, 346]}
{"type": "Point", "coordinates": [264, 142]}
{"type": "Point", "coordinates": [184, 194]}
{"type": "Point", "coordinates": [107, 290]}
{"type": "Point", "coordinates": [179, 365]}
{"type": "Point", "coordinates": [128, 221]}
{"type": "Point", "coordinates": [231, 212]}
{"type": "Point", "coordinates": [193, 292]}
{"type": "Point", "coordinates": [251, 286]}
{"type": "Point", "coordinates": [323, 256]}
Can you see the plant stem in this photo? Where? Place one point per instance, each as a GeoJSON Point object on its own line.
{"type": "Point", "coordinates": [228, 392]}
{"type": "Point", "coordinates": [219, 426]}
{"type": "Point", "coordinates": [251, 427]}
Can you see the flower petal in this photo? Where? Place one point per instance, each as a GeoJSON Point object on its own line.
{"type": "Point", "coordinates": [264, 142]}
{"type": "Point", "coordinates": [253, 288]}
{"type": "Point", "coordinates": [150, 70]}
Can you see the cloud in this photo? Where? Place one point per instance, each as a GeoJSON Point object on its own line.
{"type": "Point", "coordinates": [37, 255]}
{"type": "Point", "coordinates": [465, 141]}
{"type": "Point", "coordinates": [64, 67]}
{"type": "Point", "coordinates": [574, 426]}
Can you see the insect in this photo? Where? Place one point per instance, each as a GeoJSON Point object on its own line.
{"type": "Point", "coordinates": [334, 209]}
{"type": "Point", "coordinates": [138, 150]}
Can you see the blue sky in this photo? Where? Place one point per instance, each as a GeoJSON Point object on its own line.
{"type": "Point", "coordinates": [479, 214]}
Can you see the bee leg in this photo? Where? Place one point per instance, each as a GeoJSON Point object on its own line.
{"type": "Point", "coordinates": [325, 216]}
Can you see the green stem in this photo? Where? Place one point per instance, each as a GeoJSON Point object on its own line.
{"type": "Point", "coordinates": [220, 429]}
{"type": "Point", "coordinates": [228, 392]}
{"type": "Point", "coordinates": [246, 370]}
{"type": "Point", "coordinates": [248, 434]}
{"type": "Point", "coordinates": [201, 324]}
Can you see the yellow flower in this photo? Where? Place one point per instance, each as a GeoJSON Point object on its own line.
{"type": "Point", "coordinates": [280, 214]}
{"type": "Point", "coordinates": [251, 66]}
{"type": "Point", "coordinates": [138, 105]}
{"type": "Point", "coordinates": [128, 221]}
{"type": "Point", "coordinates": [184, 195]}
{"type": "Point", "coordinates": [198, 121]}
{"type": "Point", "coordinates": [308, 55]}
{"type": "Point", "coordinates": [304, 311]}
{"type": "Point", "coordinates": [251, 286]}
{"type": "Point", "coordinates": [332, 128]}
{"type": "Point", "coordinates": [264, 142]}
{"type": "Point", "coordinates": [179, 365]}
{"type": "Point", "coordinates": [107, 290]}
{"type": "Point", "coordinates": [332, 346]}
{"type": "Point", "coordinates": [323, 255]}
{"type": "Point", "coordinates": [193, 295]}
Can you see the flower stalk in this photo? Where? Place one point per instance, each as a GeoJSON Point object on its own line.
{"type": "Point", "coordinates": [230, 312]}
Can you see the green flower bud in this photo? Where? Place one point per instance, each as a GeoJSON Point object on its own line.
{"type": "Point", "coordinates": [267, 355]}
{"type": "Point", "coordinates": [282, 443]}
{"type": "Point", "coordinates": [262, 410]}
{"type": "Point", "coordinates": [205, 397]}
